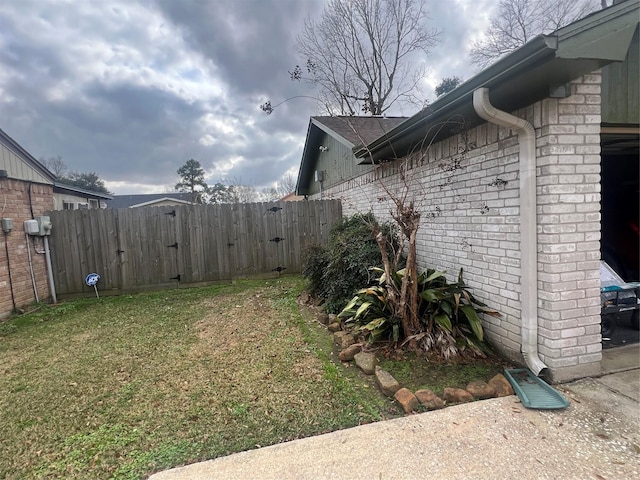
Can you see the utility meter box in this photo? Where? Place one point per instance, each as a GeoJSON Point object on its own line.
{"type": "Point", "coordinates": [31, 227]}
{"type": "Point", "coordinates": [7, 225]}
{"type": "Point", "coordinates": [44, 225]}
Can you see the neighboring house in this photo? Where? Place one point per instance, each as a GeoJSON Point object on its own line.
{"type": "Point", "coordinates": [291, 197]}
{"type": "Point", "coordinates": [28, 190]}
{"type": "Point", "coordinates": [155, 200]}
{"type": "Point", "coordinates": [521, 200]}
{"type": "Point", "coordinates": [67, 197]}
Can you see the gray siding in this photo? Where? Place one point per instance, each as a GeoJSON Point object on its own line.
{"type": "Point", "coordinates": [620, 88]}
{"type": "Point", "coordinates": [17, 168]}
{"type": "Point", "coordinates": [337, 163]}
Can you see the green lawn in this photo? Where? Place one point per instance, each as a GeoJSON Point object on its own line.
{"type": "Point", "coordinates": [121, 387]}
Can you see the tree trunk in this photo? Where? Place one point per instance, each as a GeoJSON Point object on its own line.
{"type": "Point", "coordinates": [409, 293]}
{"type": "Point", "coordinates": [392, 292]}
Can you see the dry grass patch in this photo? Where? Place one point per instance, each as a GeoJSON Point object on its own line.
{"type": "Point", "coordinates": [121, 387]}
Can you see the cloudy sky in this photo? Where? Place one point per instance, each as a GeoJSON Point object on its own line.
{"type": "Point", "coordinates": [132, 89]}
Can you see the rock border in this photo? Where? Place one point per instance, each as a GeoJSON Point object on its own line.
{"type": "Point", "coordinates": [350, 351]}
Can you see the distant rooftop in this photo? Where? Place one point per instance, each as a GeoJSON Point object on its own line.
{"type": "Point", "coordinates": [126, 201]}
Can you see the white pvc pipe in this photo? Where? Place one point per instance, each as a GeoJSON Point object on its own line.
{"type": "Point", "coordinates": [528, 234]}
{"type": "Point", "coordinates": [47, 253]}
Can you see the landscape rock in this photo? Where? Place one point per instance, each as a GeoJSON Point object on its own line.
{"type": "Point", "coordinates": [407, 400]}
{"type": "Point", "coordinates": [386, 383]}
{"type": "Point", "coordinates": [347, 340]}
{"type": "Point", "coordinates": [366, 362]}
{"type": "Point", "coordinates": [348, 353]}
{"type": "Point", "coordinates": [481, 390]}
{"type": "Point", "coordinates": [324, 319]}
{"type": "Point", "coordinates": [337, 337]}
{"type": "Point", "coordinates": [456, 395]}
{"type": "Point", "coordinates": [304, 298]}
{"type": "Point", "coordinates": [429, 400]}
{"type": "Point", "coordinates": [334, 327]}
{"type": "Point", "coordinates": [333, 318]}
{"type": "Point", "coordinates": [501, 385]}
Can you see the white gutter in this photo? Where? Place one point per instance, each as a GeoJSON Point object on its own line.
{"type": "Point", "coordinates": [528, 234]}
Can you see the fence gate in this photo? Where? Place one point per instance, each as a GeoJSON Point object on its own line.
{"type": "Point", "coordinates": [149, 244]}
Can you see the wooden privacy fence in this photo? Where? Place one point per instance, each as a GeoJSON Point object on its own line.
{"type": "Point", "coordinates": [140, 248]}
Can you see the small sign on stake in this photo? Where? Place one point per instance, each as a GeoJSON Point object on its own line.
{"type": "Point", "coordinates": [91, 280]}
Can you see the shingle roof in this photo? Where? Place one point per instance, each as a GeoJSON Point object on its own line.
{"type": "Point", "coordinates": [359, 130]}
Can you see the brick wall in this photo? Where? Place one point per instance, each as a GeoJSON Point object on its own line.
{"type": "Point", "coordinates": [467, 188]}
{"type": "Point", "coordinates": [14, 203]}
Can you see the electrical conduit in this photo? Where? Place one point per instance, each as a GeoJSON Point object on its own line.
{"type": "Point", "coordinates": [47, 254]}
{"type": "Point", "coordinates": [528, 234]}
{"type": "Point", "coordinates": [33, 278]}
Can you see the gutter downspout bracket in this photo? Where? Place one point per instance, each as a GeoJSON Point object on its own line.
{"type": "Point", "coordinates": [528, 235]}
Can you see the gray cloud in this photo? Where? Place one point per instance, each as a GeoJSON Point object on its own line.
{"type": "Point", "coordinates": [133, 89]}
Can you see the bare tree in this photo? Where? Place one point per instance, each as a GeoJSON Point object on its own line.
{"type": "Point", "coordinates": [359, 53]}
{"type": "Point", "coordinates": [518, 21]}
{"type": "Point", "coordinates": [286, 185]}
{"type": "Point", "coordinates": [56, 165]}
{"type": "Point", "coordinates": [245, 193]}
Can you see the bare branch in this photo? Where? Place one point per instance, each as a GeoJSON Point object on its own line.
{"type": "Point", "coordinates": [518, 21]}
{"type": "Point", "coordinates": [359, 52]}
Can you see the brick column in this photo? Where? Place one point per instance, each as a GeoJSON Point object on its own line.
{"type": "Point", "coordinates": [569, 231]}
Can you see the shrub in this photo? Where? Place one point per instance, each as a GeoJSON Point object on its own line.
{"type": "Point", "coordinates": [315, 259]}
{"type": "Point", "coordinates": [335, 273]}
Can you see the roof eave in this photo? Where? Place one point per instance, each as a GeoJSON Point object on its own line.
{"type": "Point", "coordinates": [537, 49]}
{"type": "Point", "coordinates": [302, 183]}
{"type": "Point", "coordinates": [572, 50]}
{"type": "Point", "coordinates": [158, 200]}
{"type": "Point", "coordinates": [87, 193]}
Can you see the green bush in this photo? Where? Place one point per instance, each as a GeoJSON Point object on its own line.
{"type": "Point", "coordinates": [315, 259]}
{"type": "Point", "coordinates": [336, 272]}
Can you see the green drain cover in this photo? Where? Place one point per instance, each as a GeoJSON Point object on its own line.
{"type": "Point", "coordinates": [533, 391]}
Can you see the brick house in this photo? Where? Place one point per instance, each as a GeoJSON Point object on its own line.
{"type": "Point", "coordinates": [28, 190]}
{"type": "Point", "coordinates": [509, 173]}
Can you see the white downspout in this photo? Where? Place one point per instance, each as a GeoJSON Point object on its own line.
{"type": "Point", "coordinates": [528, 233]}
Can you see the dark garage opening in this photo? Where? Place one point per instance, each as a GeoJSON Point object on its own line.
{"type": "Point", "coordinates": [620, 204]}
{"type": "Point", "coordinates": [620, 239]}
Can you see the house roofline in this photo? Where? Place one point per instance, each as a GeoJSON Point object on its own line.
{"type": "Point", "coordinates": [544, 62]}
{"type": "Point", "coordinates": [19, 150]}
{"type": "Point", "coordinates": [157, 200]}
{"type": "Point", "coordinates": [88, 193]}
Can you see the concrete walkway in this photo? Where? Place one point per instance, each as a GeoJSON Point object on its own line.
{"type": "Point", "coordinates": [597, 437]}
